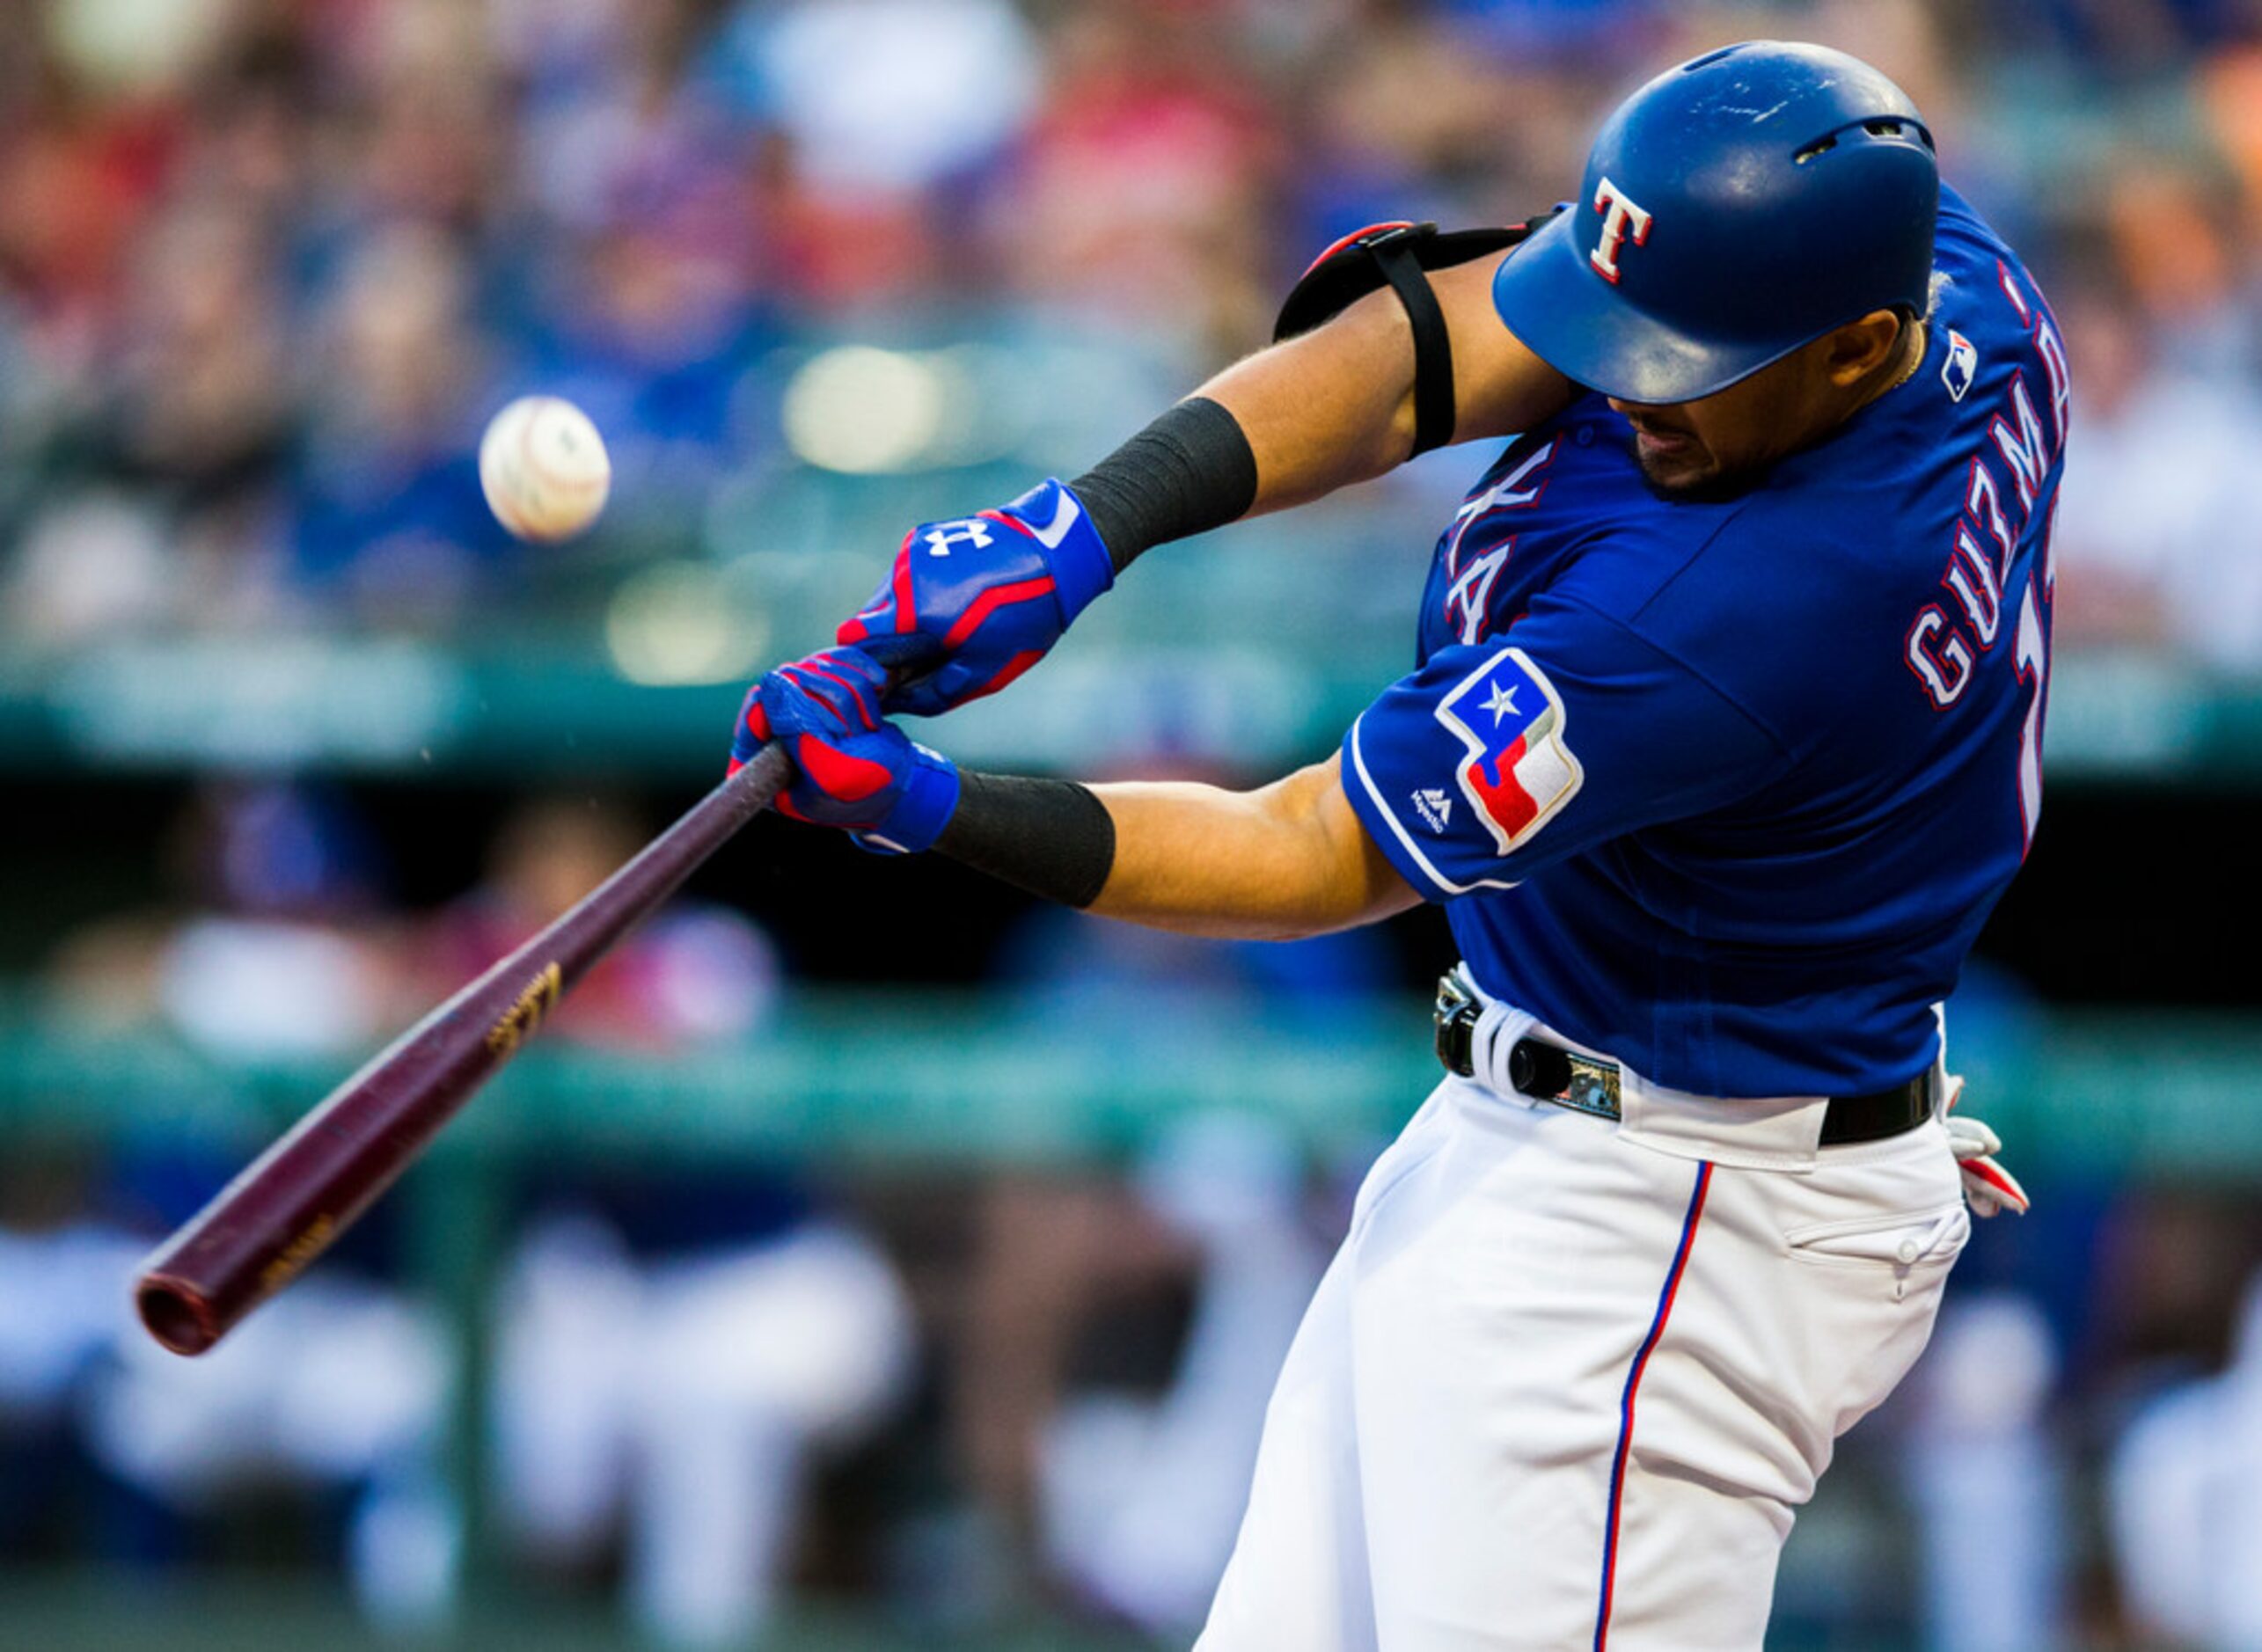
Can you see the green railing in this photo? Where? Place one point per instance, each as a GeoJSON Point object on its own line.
{"type": "Point", "coordinates": [879, 1078]}
{"type": "Point", "coordinates": [976, 1080]}
{"type": "Point", "coordinates": [1259, 702]}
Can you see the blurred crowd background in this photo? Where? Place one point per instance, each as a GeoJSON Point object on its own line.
{"type": "Point", "coordinates": [867, 1257]}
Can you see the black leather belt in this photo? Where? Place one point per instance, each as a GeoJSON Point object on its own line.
{"type": "Point", "coordinates": [1548, 1072]}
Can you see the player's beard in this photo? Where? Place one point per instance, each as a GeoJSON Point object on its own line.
{"type": "Point", "coordinates": [1664, 482]}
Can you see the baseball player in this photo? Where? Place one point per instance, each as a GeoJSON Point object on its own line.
{"type": "Point", "coordinates": [1723, 738]}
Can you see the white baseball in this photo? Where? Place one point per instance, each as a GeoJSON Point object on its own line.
{"type": "Point", "coordinates": [543, 469]}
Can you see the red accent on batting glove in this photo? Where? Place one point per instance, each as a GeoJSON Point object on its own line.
{"type": "Point", "coordinates": [855, 698]}
{"type": "Point", "coordinates": [844, 778]}
{"type": "Point", "coordinates": [906, 611]}
{"type": "Point", "coordinates": [990, 601]}
{"type": "Point", "coordinates": [1014, 668]}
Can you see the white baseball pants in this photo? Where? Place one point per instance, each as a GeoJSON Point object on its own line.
{"type": "Point", "coordinates": [1567, 1380]}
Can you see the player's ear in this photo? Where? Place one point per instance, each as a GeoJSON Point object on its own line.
{"type": "Point", "coordinates": [1857, 349]}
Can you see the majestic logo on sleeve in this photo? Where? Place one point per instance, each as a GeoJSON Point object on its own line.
{"type": "Point", "coordinates": [1622, 221]}
{"type": "Point", "coordinates": [1518, 773]}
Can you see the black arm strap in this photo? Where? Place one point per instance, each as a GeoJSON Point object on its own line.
{"type": "Point", "coordinates": [1433, 348]}
{"type": "Point", "coordinates": [1399, 256]}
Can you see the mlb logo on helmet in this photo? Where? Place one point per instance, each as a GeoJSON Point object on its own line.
{"type": "Point", "coordinates": [1519, 773]}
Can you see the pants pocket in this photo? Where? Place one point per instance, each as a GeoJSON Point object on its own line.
{"type": "Point", "coordinates": [1866, 1290]}
{"type": "Point", "coordinates": [1905, 1246]}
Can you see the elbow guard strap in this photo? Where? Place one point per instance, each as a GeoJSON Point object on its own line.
{"type": "Point", "coordinates": [1399, 256]}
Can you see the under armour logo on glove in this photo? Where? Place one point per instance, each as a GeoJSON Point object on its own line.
{"type": "Point", "coordinates": [969, 532]}
{"type": "Point", "coordinates": [990, 596]}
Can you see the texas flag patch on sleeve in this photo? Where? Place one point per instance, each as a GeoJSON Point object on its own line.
{"type": "Point", "coordinates": [1463, 771]}
{"type": "Point", "coordinates": [1456, 772]}
{"type": "Point", "coordinates": [1516, 771]}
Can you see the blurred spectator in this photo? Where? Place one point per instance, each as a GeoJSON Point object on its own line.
{"type": "Point", "coordinates": [63, 1272]}
{"type": "Point", "coordinates": [1092, 1462]}
{"type": "Point", "coordinates": [675, 1346]}
{"type": "Point", "coordinates": [264, 269]}
{"type": "Point", "coordinates": [387, 512]}
{"type": "Point", "coordinates": [2156, 546]}
{"type": "Point", "coordinates": [279, 950]}
{"type": "Point", "coordinates": [880, 113]}
{"type": "Point", "coordinates": [341, 1386]}
{"type": "Point", "coordinates": [82, 158]}
{"type": "Point", "coordinates": [886, 97]}
{"type": "Point", "coordinates": [2178, 254]}
{"type": "Point", "coordinates": [646, 302]}
{"type": "Point", "coordinates": [1988, 1480]}
{"type": "Point", "coordinates": [189, 433]}
{"type": "Point", "coordinates": [1141, 189]}
{"type": "Point", "coordinates": [683, 1393]}
{"type": "Point", "coordinates": [1140, 1498]}
{"type": "Point", "coordinates": [340, 1383]}
{"type": "Point", "coordinates": [691, 975]}
{"type": "Point", "coordinates": [1404, 120]}
{"type": "Point", "coordinates": [2183, 1504]}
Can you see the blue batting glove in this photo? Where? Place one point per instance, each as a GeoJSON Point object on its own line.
{"type": "Point", "coordinates": [852, 768]}
{"type": "Point", "coordinates": [973, 603]}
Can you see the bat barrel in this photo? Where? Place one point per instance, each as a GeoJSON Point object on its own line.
{"type": "Point", "coordinates": [285, 1209]}
{"type": "Point", "coordinates": [294, 1200]}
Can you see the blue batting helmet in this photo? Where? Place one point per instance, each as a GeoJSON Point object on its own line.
{"type": "Point", "coordinates": [1734, 208]}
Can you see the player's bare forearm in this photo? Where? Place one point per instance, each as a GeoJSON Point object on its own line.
{"type": "Point", "coordinates": [1336, 406]}
{"type": "Point", "coordinates": [1288, 860]}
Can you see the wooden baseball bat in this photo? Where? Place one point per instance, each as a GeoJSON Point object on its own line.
{"type": "Point", "coordinates": [294, 1201]}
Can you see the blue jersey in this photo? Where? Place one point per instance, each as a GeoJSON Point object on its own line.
{"type": "Point", "coordinates": [1727, 788]}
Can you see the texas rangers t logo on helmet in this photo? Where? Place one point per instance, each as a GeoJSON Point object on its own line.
{"type": "Point", "coordinates": [1621, 220]}
{"type": "Point", "coordinates": [1519, 773]}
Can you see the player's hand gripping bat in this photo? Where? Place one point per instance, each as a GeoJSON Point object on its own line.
{"type": "Point", "coordinates": [297, 1197]}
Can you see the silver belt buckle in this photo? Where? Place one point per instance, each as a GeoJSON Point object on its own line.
{"type": "Point", "coordinates": [1455, 1022]}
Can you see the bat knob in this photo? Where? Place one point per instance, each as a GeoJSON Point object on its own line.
{"type": "Point", "coordinates": [177, 1316]}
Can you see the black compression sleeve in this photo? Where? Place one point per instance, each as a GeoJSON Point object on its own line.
{"type": "Point", "coordinates": [1188, 472]}
{"type": "Point", "coordinates": [1051, 837]}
